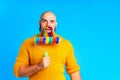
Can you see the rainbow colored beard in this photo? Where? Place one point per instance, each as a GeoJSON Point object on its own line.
{"type": "Point", "coordinates": [45, 38]}
{"type": "Point", "coordinates": [45, 34]}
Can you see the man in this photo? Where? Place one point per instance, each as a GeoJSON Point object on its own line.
{"type": "Point", "coordinates": [31, 62]}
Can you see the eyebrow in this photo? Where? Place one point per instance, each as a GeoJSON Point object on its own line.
{"type": "Point", "coordinates": [46, 19]}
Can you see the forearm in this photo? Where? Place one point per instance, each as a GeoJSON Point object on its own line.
{"type": "Point", "coordinates": [75, 76]}
{"type": "Point", "coordinates": [28, 70]}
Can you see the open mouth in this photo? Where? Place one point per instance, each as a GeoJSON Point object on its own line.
{"type": "Point", "coordinates": [48, 30]}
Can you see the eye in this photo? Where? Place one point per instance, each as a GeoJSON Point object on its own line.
{"type": "Point", "coordinates": [43, 20]}
{"type": "Point", "coordinates": [52, 21]}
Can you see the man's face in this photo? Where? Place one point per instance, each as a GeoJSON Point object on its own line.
{"type": "Point", "coordinates": [48, 22]}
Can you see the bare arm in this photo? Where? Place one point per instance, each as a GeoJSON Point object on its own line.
{"type": "Point", "coordinates": [30, 70]}
{"type": "Point", "coordinates": [75, 76]}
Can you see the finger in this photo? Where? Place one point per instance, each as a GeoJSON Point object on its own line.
{"type": "Point", "coordinates": [44, 58]}
{"type": "Point", "coordinates": [47, 63]}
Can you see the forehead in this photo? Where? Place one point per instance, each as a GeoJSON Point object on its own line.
{"type": "Point", "coordinates": [48, 16]}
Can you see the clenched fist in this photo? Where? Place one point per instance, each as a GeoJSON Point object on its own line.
{"type": "Point", "coordinates": [45, 62]}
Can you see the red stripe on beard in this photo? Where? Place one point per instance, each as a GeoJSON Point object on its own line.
{"type": "Point", "coordinates": [50, 34]}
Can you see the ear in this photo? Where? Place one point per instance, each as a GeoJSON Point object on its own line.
{"type": "Point", "coordinates": [56, 23]}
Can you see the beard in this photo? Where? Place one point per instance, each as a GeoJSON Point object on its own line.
{"type": "Point", "coordinates": [47, 32]}
{"type": "Point", "coordinates": [50, 34]}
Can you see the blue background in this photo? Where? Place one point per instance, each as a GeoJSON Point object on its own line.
{"type": "Point", "coordinates": [92, 26]}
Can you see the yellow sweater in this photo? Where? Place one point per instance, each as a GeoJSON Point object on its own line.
{"type": "Point", "coordinates": [61, 55]}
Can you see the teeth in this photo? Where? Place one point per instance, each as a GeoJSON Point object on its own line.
{"type": "Point", "coordinates": [48, 29]}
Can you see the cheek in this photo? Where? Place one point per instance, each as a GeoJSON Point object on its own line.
{"type": "Point", "coordinates": [53, 25]}
{"type": "Point", "coordinates": [42, 25]}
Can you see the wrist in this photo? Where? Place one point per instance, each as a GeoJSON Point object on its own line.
{"type": "Point", "coordinates": [38, 67]}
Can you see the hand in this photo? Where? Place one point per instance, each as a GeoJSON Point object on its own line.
{"type": "Point", "coordinates": [45, 62]}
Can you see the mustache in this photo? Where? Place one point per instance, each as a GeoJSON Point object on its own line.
{"type": "Point", "coordinates": [50, 28]}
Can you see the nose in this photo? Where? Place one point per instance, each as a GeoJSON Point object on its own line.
{"type": "Point", "coordinates": [48, 24]}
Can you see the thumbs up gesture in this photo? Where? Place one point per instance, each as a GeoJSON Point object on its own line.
{"type": "Point", "coordinates": [45, 62]}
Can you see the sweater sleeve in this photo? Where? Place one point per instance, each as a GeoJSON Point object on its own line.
{"type": "Point", "coordinates": [22, 59]}
{"type": "Point", "coordinates": [71, 63]}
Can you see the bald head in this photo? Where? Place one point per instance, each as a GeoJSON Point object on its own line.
{"type": "Point", "coordinates": [48, 13]}
{"type": "Point", "coordinates": [48, 22]}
